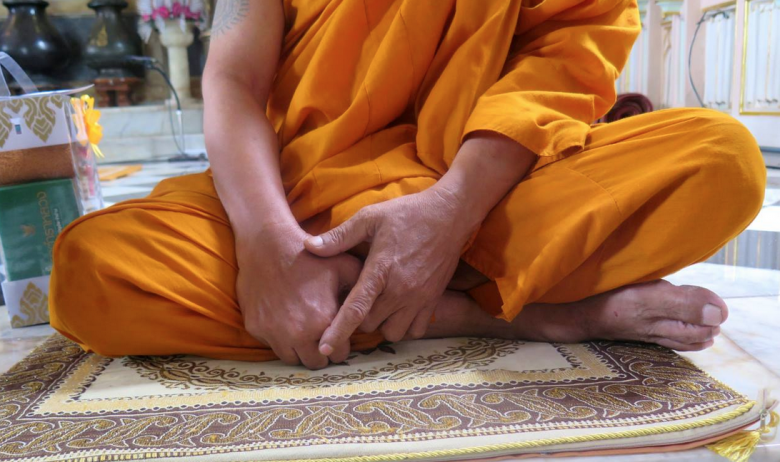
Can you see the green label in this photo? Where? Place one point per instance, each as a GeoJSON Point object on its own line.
{"type": "Point", "coordinates": [32, 215]}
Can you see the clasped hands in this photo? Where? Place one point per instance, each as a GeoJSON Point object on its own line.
{"type": "Point", "coordinates": [304, 296]}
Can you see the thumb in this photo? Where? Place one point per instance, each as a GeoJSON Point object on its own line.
{"type": "Point", "coordinates": [343, 237]}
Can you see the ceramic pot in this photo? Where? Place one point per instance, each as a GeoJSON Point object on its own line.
{"type": "Point", "coordinates": [111, 41]}
{"type": "Point", "coordinates": [31, 39]}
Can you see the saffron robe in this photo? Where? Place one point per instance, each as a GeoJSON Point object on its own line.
{"type": "Point", "coordinates": [371, 101]}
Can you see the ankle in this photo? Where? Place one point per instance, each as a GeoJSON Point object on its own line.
{"type": "Point", "coordinates": [568, 323]}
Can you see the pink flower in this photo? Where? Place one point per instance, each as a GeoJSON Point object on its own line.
{"type": "Point", "coordinates": [178, 9]}
{"type": "Point", "coordinates": [164, 12]}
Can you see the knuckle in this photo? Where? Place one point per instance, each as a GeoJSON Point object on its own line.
{"type": "Point", "coordinates": [357, 312]}
{"type": "Point", "coordinates": [392, 335]}
{"type": "Point", "coordinates": [336, 234]}
{"type": "Point", "coordinates": [366, 213]}
{"type": "Point", "coordinates": [369, 325]}
{"type": "Point", "coordinates": [367, 216]}
{"type": "Point", "coordinates": [417, 333]}
{"type": "Point", "coordinates": [316, 364]}
{"type": "Point", "coordinates": [297, 333]}
{"type": "Point", "coordinates": [381, 269]}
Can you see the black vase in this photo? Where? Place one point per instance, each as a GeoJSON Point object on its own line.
{"type": "Point", "coordinates": [31, 39]}
{"type": "Point", "coordinates": [111, 40]}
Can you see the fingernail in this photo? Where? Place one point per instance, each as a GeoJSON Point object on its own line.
{"type": "Point", "coordinates": [712, 316]}
{"type": "Point", "coordinates": [326, 349]}
{"type": "Point", "coordinates": [316, 241]}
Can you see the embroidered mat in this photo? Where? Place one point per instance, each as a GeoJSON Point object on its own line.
{"type": "Point", "coordinates": [446, 399]}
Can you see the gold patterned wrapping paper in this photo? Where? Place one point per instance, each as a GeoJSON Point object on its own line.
{"type": "Point", "coordinates": [423, 400]}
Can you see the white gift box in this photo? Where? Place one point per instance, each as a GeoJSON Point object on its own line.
{"type": "Point", "coordinates": [27, 301]}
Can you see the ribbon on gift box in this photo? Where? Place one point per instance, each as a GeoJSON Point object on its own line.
{"type": "Point", "coordinates": [8, 63]}
{"type": "Point", "coordinates": [86, 118]}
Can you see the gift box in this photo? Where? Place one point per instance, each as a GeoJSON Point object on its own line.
{"type": "Point", "coordinates": [48, 178]}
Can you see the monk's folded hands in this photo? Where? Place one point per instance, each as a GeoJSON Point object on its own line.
{"type": "Point", "coordinates": [416, 242]}
{"type": "Point", "coordinates": [288, 305]}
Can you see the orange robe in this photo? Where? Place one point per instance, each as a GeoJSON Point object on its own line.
{"type": "Point", "coordinates": [371, 101]}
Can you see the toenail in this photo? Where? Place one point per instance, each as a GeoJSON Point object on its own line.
{"type": "Point", "coordinates": [712, 315]}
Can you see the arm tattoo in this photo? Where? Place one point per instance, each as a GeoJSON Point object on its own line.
{"type": "Point", "coordinates": [228, 13]}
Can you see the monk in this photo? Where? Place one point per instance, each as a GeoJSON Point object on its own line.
{"type": "Point", "coordinates": [415, 169]}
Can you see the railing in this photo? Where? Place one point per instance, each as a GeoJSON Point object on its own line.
{"type": "Point", "coordinates": [719, 58]}
{"type": "Point", "coordinates": [674, 65]}
{"type": "Point", "coordinates": [760, 92]}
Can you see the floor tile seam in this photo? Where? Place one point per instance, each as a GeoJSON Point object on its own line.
{"type": "Point", "coordinates": [772, 373]}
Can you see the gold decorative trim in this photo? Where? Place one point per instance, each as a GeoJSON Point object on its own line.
{"type": "Point", "coordinates": [720, 6]}
{"type": "Point", "coordinates": [546, 442]}
{"type": "Point", "coordinates": [478, 450]}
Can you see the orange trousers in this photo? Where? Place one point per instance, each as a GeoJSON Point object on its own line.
{"type": "Point", "coordinates": [648, 195]}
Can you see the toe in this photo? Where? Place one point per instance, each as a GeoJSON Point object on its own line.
{"type": "Point", "coordinates": [682, 332]}
{"type": "Point", "coordinates": [685, 346]}
{"type": "Point", "coordinates": [695, 305]}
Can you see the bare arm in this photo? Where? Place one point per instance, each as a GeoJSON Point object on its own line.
{"type": "Point", "coordinates": [286, 295]}
{"type": "Point", "coordinates": [241, 143]}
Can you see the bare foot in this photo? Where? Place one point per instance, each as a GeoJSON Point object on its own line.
{"type": "Point", "coordinates": [683, 318]}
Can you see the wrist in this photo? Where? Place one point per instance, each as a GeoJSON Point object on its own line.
{"type": "Point", "coordinates": [487, 166]}
{"type": "Point", "coordinates": [275, 236]}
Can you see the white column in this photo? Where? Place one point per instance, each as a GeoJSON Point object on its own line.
{"type": "Point", "coordinates": [176, 39]}
{"type": "Point", "coordinates": [673, 62]}
{"type": "Point", "coordinates": [633, 79]}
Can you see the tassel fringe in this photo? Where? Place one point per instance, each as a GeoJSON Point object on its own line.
{"type": "Point", "coordinates": [740, 446]}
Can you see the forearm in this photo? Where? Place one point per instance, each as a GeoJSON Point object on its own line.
{"type": "Point", "coordinates": [244, 155]}
{"type": "Point", "coordinates": [487, 167]}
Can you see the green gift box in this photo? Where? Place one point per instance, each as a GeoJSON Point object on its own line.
{"type": "Point", "coordinates": [32, 215]}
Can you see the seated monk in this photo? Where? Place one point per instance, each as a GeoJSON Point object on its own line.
{"type": "Point", "coordinates": [415, 169]}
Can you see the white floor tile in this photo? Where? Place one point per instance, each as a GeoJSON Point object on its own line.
{"type": "Point", "coordinates": [767, 220]}
{"type": "Point", "coordinates": [132, 180]}
{"type": "Point", "coordinates": [15, 344]}
{"type": "Point", "coordinates": [730, 281]}
{"type": "Point", "coordinates": [109, 191]}
{"type": "Point", "coordinates": [754, 325]}
{"type": "Point", "coordinates": [771, 197]}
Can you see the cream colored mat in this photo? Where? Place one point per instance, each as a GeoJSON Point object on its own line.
{"type": "Point", "coordinates": [426, 400]}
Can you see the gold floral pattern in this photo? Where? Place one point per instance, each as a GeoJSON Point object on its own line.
{"type": "Point", "coordinates": [39, 115]}
{"type": "Point", "coordinates": [654, 386]}
{"type": "Point", "coordinates": [34, 306]}
{"type": "Point", "coordinates": [177, 372]}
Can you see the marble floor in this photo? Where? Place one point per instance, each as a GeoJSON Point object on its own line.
{"type": "Point", "coordinates": [746, 356]}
